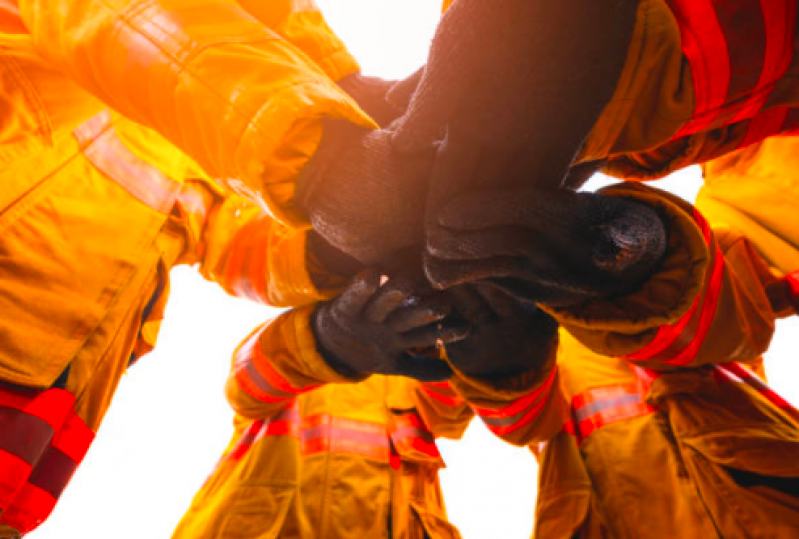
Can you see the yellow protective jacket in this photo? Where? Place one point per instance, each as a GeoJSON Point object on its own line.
{"type": "Point", "coordinates": [709, 448]}
{"type": "Point", "coordinates": [95, 209]}
{"type": "Point", "coordinates": [707, 303]}
{"type": "Point", "coordinates": [314, 455]}
{"type": "Point", "coordinates": [697, 453]}
{"type": "Point", "coordinates": [701, 79]}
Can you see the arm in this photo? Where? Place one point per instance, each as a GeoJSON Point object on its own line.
{"type": "Point", "coordinates": [706, 303]}
{"type": "Point", "coordinates": [275, 364]}
{"type": "Point", "coordinates": [224, 88]}
{"type": "Point", "coordinates": [246, 251]}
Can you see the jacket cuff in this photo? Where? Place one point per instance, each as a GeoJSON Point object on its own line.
{"type": "Point", "coordinates": [270, 158]}
{"type": "Point", "coordinates": [621, 325]}
{"type": "Point", "coordinates": [279, 361]}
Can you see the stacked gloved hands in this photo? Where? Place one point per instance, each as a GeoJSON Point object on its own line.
{"type": "Point", "coordinates": [472, 171]}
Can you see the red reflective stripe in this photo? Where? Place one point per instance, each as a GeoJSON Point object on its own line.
{"type": "Point", "coordinates": [705, 46]}
{"type": "Point", "coordinates": [31, 507]}
{"type": "Point", "coordinates": [525, 419]}
{"type": "Point", "coordinates": [598, 393]}
{"type": "Point", "coordinates": [52, 405]}
{"type": "Point", "coordinates": [706, 316]}
{"type": "Point", "coordinates": [235, 273]}
{"type": "Point", "coordinates": [793, 282]}
{"type": "Point", "coordinates": [601, 406]}
{"type": "Point", "coordinates": [15, 472]}
{"type": "Point", "coordinates": [667, 334]}
{"type": "Point", "coordinates": [257, 266]}
{"type": "Point", "coordinates": [36, 499]}
{"type": "Point", "coordinates": [613, 415]}
{"type": "Point", "coordinates": [442, 393]}
{"type": "Point", "coordinates": [74, 438]}
{"type": "Point", "coordinates": [522, 402]}
{"type": "Point", "coordinates": [764, 124]}
{"type": "Point", "coordinates": [109, 155]}
{"type": "Point", "coordinates": [779, 17]}
{"type": "Point", "coordinates": [256, 375]}
{"type": "Point", "coordinates": [737, 372]}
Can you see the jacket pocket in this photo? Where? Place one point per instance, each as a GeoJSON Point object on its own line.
{"type": "Point", "coordinates": [740, 451]}
{"type": "Point", "coordinates": [67, 249]}
{"type": "Point", "coordinates": [256, 512]}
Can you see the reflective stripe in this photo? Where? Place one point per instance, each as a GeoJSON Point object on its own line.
{"type": "Point", "coordinates": [602, 406]}
{"type": "Point", "coordinates": [246, 267]}
{"type": "Point", "coordinates": [443, 393]}
{"type": "Point", "coordinates": [520, 412]}
{"type": "Point", "coordinates": [678, 343]}
{"type": "Point", "coordinates": [256, 375]}
{"type": "Point", "coordinates": [793, 282]}
{"type": "Point", "coordinates": [99, 143]}
{"type": "Point", "coordinates": [36, 499]}
{"type": "Point", "coordinates": [325, 433]}
{"type": "Point", "coordinates": [411, 434]}
{"type": "Point", "coordinates": [765, 124]}
{"type": "Point", "coordinates": [738, 373]}
{"type": "Point", "coordinates": [737, 50]}
{"type": "Point", "coordinates": [28, 421]}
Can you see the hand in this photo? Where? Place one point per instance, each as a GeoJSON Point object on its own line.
{"type": "Point", "coordinates": [515, 87]}
{"type": "Point", "coordinates": [383, 100]}
{"type": "Point", "coordinates": [372, 329]}
{"type": "Point", "coordinates": [553, 247]}
{"type": "Point", "coordinates": [362, 196]}
{"type": "Point", "coordinates": [507, 337]}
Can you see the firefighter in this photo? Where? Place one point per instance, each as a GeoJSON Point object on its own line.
{"type": "Point", "coordinates": [671, 432]}
{"type": "Point", "coordinates": [96, 208]}
{"type": "Point", "coordinates": [322, 447]}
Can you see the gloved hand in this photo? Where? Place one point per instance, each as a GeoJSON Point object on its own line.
{"type": "Point", "coordinates": [507, 337]}
{"type": "Point", "coordinates": [362, 196]}
{"type": "Point", "coordinates": [374, 329]}
{"type": "Point", "coordinates": [515, 86]}
{"type": "Point", "coordinates": [383, 100]}
{"type": "Point", "coordinates": [552, 247]}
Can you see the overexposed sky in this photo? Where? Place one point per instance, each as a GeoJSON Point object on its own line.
{"type": "Point", "coordinates": [169, 421]}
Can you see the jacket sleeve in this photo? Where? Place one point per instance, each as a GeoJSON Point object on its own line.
{"type": "Point", "coordinates": [243, 249]}
{"type": "Point", "coordinates": [227, 90]}
{"type": "Point", "coordinates": [275, 364]}
{"type": "Point", "coordinates": [443, 410]}
{"type": "Point", "coordinates": [303, 25]}
{"type": "Point", "coordinates": [521, 410]}
{"type": "Point", "coordinates": [707, 303]}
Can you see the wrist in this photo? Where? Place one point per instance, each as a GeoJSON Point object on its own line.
{"type": "Point", "coordinates": [330, 358]}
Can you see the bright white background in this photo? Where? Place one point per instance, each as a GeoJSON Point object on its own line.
{"type": "Point", "coordinates": [169, 421]}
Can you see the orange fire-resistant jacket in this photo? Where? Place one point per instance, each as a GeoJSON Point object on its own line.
{"type": "Point", "coordinates": [701, 79]}
{"type": "Point", "coordinates": [96, 208]}
{"type": "Point", "coordinates": [697, 453]}
{"type": "Point", "coordinates": [315, 455]}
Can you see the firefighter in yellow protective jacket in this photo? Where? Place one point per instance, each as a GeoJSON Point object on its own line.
{"type": "Point", "coordinates": [323, 448]}
{"type": "Point", "coordinates": [663, 430]}
{"type": "Point", "coordinates": [96, 209]}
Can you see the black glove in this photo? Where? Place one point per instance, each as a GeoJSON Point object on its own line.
{"type": "Point", "coordinates": [553, 247]}
{"type": "Point", "coordinates": [516, 85]}
{"type": "Point", "coordinates": [371, 95]}
{"type": "Point", "coordinates": [507, 337]}
{"type": "Point", "coordinates": [374, 329]}
{"type": "Point", "coordinates": [362, 196]}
